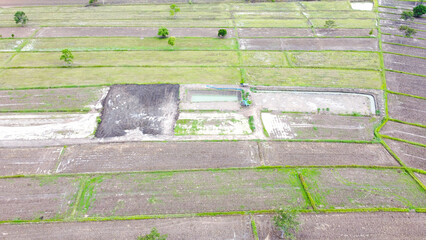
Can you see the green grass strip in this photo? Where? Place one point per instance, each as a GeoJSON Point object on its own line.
{"type": "Point", "coordinates": [404, 45]}
{"type": "Point", "coordinates": [79, 194]}
{"type": "Point", "coordinates": [295, 167]}
{"type": "Point", "coordinates": [392, 153]}
{"type": "Point", "coordinates": [412, 124]}
{"type": "Point", "coordinates": [403, 140]}
{"type": "Point", "coordinates": [254, 228]}
{"type": "Point", "coordinates": [306, 192]}
{"type": "Point", "coordinates": [416, 179]}
{"type": "Point", "coordinates": [364, 210]}
{"type": "Point", "coordinates": [405, 94]}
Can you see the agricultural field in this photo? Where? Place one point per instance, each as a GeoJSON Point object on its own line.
{"type": "Point", "coordinates": [109, 129]}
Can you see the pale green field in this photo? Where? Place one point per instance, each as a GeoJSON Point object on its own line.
{"type": "Point", "coordinates": [49, 77]}
{"type": "Point", "coordinates": [129, 43]}
{"type": "Point", "coordinates": [309, 77]}
{"type": "Point", "coordinates": [283, 23]}
{"type": "Point", "coordinates": [263, 58]}
{"type": "Point", "coordinates": [128, 58]}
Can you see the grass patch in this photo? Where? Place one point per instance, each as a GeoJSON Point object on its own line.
{"type": "Point", "coordinates": [50, 77]}
{"type": "Point", "coordinates": [128, 58]}
{"type": "Point", "coordinates": [311, 77]}
{"type": "Point", "coordinates": [129, 43]}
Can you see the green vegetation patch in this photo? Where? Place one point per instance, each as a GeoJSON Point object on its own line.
{"type": "Point", "coordinates": [54, 77]}
{"type": "Point", "coordinates": [129, 58]}
{"type": "Point", "coordinates": [129, 43]}
{"type": "Point", "coordinates": [309, 77]}
{"type": "Point", "coordinates": [364, 188]}
{"type": "Point", "coordinates": [363, 60]}
{"type": "Point", "coordinates": [346, 23]}
{"type": "Point", "coordinates": [289, 23]}
{"type": "Point", "coordinates": [213, 191]}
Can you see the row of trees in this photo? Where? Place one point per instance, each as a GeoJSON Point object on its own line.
{"type": "Point", "coordinates": [417, 12]}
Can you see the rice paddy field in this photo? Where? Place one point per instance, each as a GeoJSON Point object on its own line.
{"type": "Point", "coordinates": [315, 106]}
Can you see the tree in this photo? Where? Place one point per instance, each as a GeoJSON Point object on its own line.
{"type": "Point", "coordinates": [20, 17]}
{"type": "Point", "coordinates": [330, 24]}
{"type": "Point", "coordinates": [163, 32]}
{"type": "Point", "coordinates": [154, 235]}
{"type": "Point", "coordinates": [173, 10]}
{"type": "Point", "coordinates": [222, 33]}
{"type": "Point", "coordinates": [407, 15]}
{"type": "Point", "coordinates": [67, 56]}
{"type": "Point", "coordinates": [408, 32]}
{"type": "Point", "coordinates": [93, 2]}
{"type": "Point", "coordinates": [419, 10]}
{"type": "Point", "coordinates": [286, 222]}
{"type": "Point", "coordinates": [172, 41]}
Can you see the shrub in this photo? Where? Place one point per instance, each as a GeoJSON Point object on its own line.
{"type": "Point", "coordinates": [20, 17]}
{"type": "Point", "coordinates": [407, 15]}
{"type": "Point", "coordinates": [286, 221]}
{"type": "Point", "coordinates": [172, 41]}
{"type": "Point", "coordinates": [408, 32]}
{"type": "Point", "coordinates": [93, 2]}
{"type": "Point", "coordinates": [67, 56]}
{"type": "Point", "coordinates": [222, 33]}
{"type": "Point", "coordinates": [173, 10]}
{"type": "Point", "coordinates": [251, 123]}
{"type": "Point", "coordinates": [13, 35]}
{"type": "Point", "coordinates": [163, 32]}
{"type": "Point", "coordinates": [154, 235]}
{"type": "Point", "coordinates": [419, 10]}
{"type": "Point", "coordinates": [371, 32]}
{"type": "Point", "coordinates": [330, 24]}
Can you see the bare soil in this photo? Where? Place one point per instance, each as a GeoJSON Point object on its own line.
{"type": "Point", "coordinates": [275, 32]}
{"type": "Point", "coordinates": [126, 32]}
{"type": "Point", "coordinates": [398, 17]}
{"type": "Point", "coordinates": [13, 3]}
{"type": "Point", "coordinates": [24, 161]}
{"type": "Point", "coordinates": [201, 191]}
{"type": "Point", "coordinates": [147, 156]}
{"type": "Point", "coordinates": [359, 44]}
{"type": "Point", "coordinates": [421, 177]}
{"type": "Point", "coordinates": [147, 109]}
{"type": "Point", "coordinates": [403, 40]}
{"type": "Point", "coordinates": [318, 126]}
{"type": "Point", "coordinates": [404, 83]}
{"type": "Point", "coordinates": [377, 225]}
{"type": "Point", "coordinates": [397, 24]}
{"type": "Point", "coordinates": [407, 109]}
{"type": "Point", "coordinates": [364, 188]}
{"type": "Point", "coordinates": [405, 64]}
{"type": "Point", "coordinates": [345, 32]}
{"type": "Point", "coordinates": [322, 154]}
{"type": "Point", "coordinates": [411, 155]}
{"type": "Point", "coordinates": [36, 198]}
{"type": "Point", "coordinates": [19, 32]}
{"type": "Point", "coordinates": [403, 50]}
{"type": "Point", "coordinates": [404, 131]}
{"type": "Point", "coordinates": [51, 99]}
{"type": "Point", "coordinates": [395, 31]}
{"type": "Point", "coordinates": [396, 3]}
{"type": "Point", "coordinates": [202, 228]}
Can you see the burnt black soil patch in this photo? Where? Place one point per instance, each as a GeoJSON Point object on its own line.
{"type": "Point", "coordinates": [150, 109]}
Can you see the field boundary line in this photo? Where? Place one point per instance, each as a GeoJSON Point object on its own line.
{"type": "Point", "coordinates": [405, 94]}
{"type": "Point", "coordinates": [402, 54]}
{"type": "Point", "coordinates": [403, 140]}
{"type": "Point", "coordinates": [254, 228]}
{"type": "Point", "coordinates": [414, 74]}
{"type": "Point", "coordinates": [408, 123]}
{"type": "Point", "coordinates": [404, 45]}
{"type": "Point", "coordinates": [306, 193]}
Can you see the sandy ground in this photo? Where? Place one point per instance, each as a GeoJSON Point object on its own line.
{"type": "Point", "coordinates": [404, 131]}
{"type": "Point", "coordinates": [126, 32]}
{"type": "Point", "coordinates": [407, 108]}
{"type": "Point", "coordinates": [379, 225]}
{"type": "Point", "coordinates": [336, 103]}
{"type": "Point", "coordinates": [299, 154]}
{"type": "Point", "coordinates": [202, 228]}
{"type": "Point", "coordinates": [405, 64]}
{"type": "Point", "coordinates": [26, 161]}
{"type": "Point", "coordinates": [318, 126]}
{"type": "Point", "coordinates": [46, 126]}
{"type": "Point", "coordinates": [404, 83]}
{"type": "Point", "coordinates": [411, 155]}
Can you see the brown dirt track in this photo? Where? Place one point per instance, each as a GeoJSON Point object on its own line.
{"type": "Point", "coordinates": [297, 153]}
{"type": "Point", "coordinates": [378, 225]}
{"type": "Point", "coordinates": [407, 109]}
{"type": "Point", "coordinates": [412, 155]}
{"type": "Point", "coordinates": [126, 32]}
{"type": "Point", "coordinates": [32, 198]}
{"type": "Point", "coordinates": [404, 131]}
{"type": "Point", "coordinates": [404, 83]}
{"type": "Point", "coordinates": [117, 157]}
{"type": "Point", "coordinates": [201, 228]}
{"type": "Point", "coordinates": [358, 44]}
{"type": "Point", "coordinates": [17, 161]}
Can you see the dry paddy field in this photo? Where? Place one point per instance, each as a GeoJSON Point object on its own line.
{"type": "Point", "coordinates": [136, 133]}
